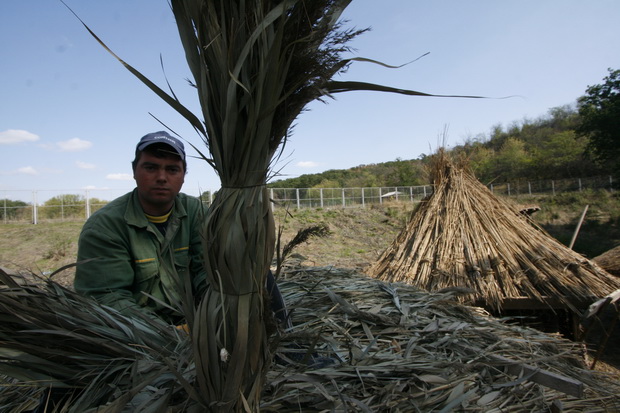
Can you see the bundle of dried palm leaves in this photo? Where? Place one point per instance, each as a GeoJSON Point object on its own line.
{"type": "Point", "coordinates": [464, 236]}
{"type": "Point", "coordinates": [255, 65]}
{"type": "Point", "coordinates": [357, 344]}
{"type": "Point", "coordinates": [398, 348]}
{"type": "Point", "coordinates": [51, 337]}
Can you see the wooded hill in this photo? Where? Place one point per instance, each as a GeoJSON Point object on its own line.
{"type": "Point", "coordinates": [527, 150]}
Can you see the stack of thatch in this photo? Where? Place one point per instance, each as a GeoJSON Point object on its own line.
{"type": "Point", "coordinates": [610, 261]}
{"type": "Point", "coordinates": [375, 347]}
{"type": "Point", "coordinates": [398, 348]}
{"type": "Point", "coordinates": [464, 236]}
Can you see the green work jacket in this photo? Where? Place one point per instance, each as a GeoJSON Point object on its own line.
{"type": "Point", "coordinates": [125, 262]}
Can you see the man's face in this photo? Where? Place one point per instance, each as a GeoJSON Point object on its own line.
{"type": "Point", "coordinates": [159, 180]}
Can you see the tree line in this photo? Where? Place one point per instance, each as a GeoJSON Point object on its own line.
{"type": "Point", "coordinates": [576, 140]}
{"type": "Point", "coordinates": [66, 206]}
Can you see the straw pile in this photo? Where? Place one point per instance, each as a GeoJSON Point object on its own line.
{"type": "Point", "coordinates": [357, 344]}
{"type": "Point", "coordinates": [610, 261]}
{"type": "Point", "coordinates": [464, 236]}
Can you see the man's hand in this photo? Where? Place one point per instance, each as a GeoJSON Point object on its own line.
{"type": "Point", "coordinates": [183, 327]}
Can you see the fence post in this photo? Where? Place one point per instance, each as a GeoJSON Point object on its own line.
{"type": "Point", "coordinates": [553, 187]}
{"type": "Point", "coordinates": [5, 211]}
{"type": "Point", "coordinates": [529, 187]}
{"type": "Point", "coordinates": [273, 204]}
{"type": "Point", "coordinates": [380, 196]}
{"type": "Point", "coordinates": [508, 187]}
{"type": "Point", "coordinates": [491, 188]}
{"type": "Point", "coordinates": [87, 203]}
{"type": "Point", "coordinates": [297, 195]}
{"type": "Point", "coordinates": [34, 207]}
{"type": "Point", "coordinates": [321, 196]}
{"type": "Point", "coordinates": [343, 200]}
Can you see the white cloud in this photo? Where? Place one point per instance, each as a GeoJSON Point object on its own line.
{"type": "Point", "coordinates": [12, 136]}
{"type": "Point", "coordinates": [307, 164]}
{"type": "Point", "coordinates": [74, 145]}
{"type": "Point", "coordinates": [84, 165]}
{"type": "Point", "coordinates": [96, 188]}
{"type": "Point", "coordinates": [27, 170]}
{"type": "Point", "coordinates": [119, 177]}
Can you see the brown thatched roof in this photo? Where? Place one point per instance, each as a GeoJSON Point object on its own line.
{"type": "Point", "coordinates": [610, 261]}
{"type": "Point", "coordinates": [464, 236]}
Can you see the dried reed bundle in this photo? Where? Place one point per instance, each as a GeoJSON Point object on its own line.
{"type": "Point", "coordinates": [610, 261]}
{"type": "Point", "coordinates": [255, 64]}
{"type": "Point", "coordinates": [463, 235]}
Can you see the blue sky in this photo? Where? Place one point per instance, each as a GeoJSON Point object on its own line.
{"type": "Point", "coordinates": [70, 114]}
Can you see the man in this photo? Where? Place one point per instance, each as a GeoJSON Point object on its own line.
{"type": "Point", "coordinates": [133, 251]}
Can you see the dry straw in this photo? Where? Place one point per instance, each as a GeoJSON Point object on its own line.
{"type": "Point", "coordinates": [255, 65]}
{"type": "Point", "coordinates": [610, 261]}
{"type": "Point", "coordinates": [464, 236]}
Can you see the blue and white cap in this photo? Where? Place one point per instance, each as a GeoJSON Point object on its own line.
{"type": "Point", "coordinates": [162, 137]}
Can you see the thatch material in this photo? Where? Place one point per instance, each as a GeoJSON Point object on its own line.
{"type": "Point", "coordinates": [398, 348]}
{"type": "Point", "coordinates": [464, 236]}
{"type": "Point", "coordinates": [53, 337]}
{"type": "Point", "coordinates": [610, 261]}
{"type": "Point", "coordinates": [393, 348]}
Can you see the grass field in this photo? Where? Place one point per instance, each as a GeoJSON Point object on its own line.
{"type": "Point", "coordinates": [358, 235]}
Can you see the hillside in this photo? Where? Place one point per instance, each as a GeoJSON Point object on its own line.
{"type": "Point", "coordinates": [529, 150]}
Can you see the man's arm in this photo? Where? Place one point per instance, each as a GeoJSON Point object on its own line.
{"type": "Point", "coordinates": [104, 270]}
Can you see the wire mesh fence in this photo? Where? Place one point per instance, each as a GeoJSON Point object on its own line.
{"type": "Point", "coordinates": [345, 197]}
{"type": "Point", "coordinates": [29, 207]}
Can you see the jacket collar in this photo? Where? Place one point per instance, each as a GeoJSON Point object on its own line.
{"type": "Point", "coordinates": [134, 215]}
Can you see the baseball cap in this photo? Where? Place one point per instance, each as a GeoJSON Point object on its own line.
{"type": "Point", "coordinates": [162, 137]}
